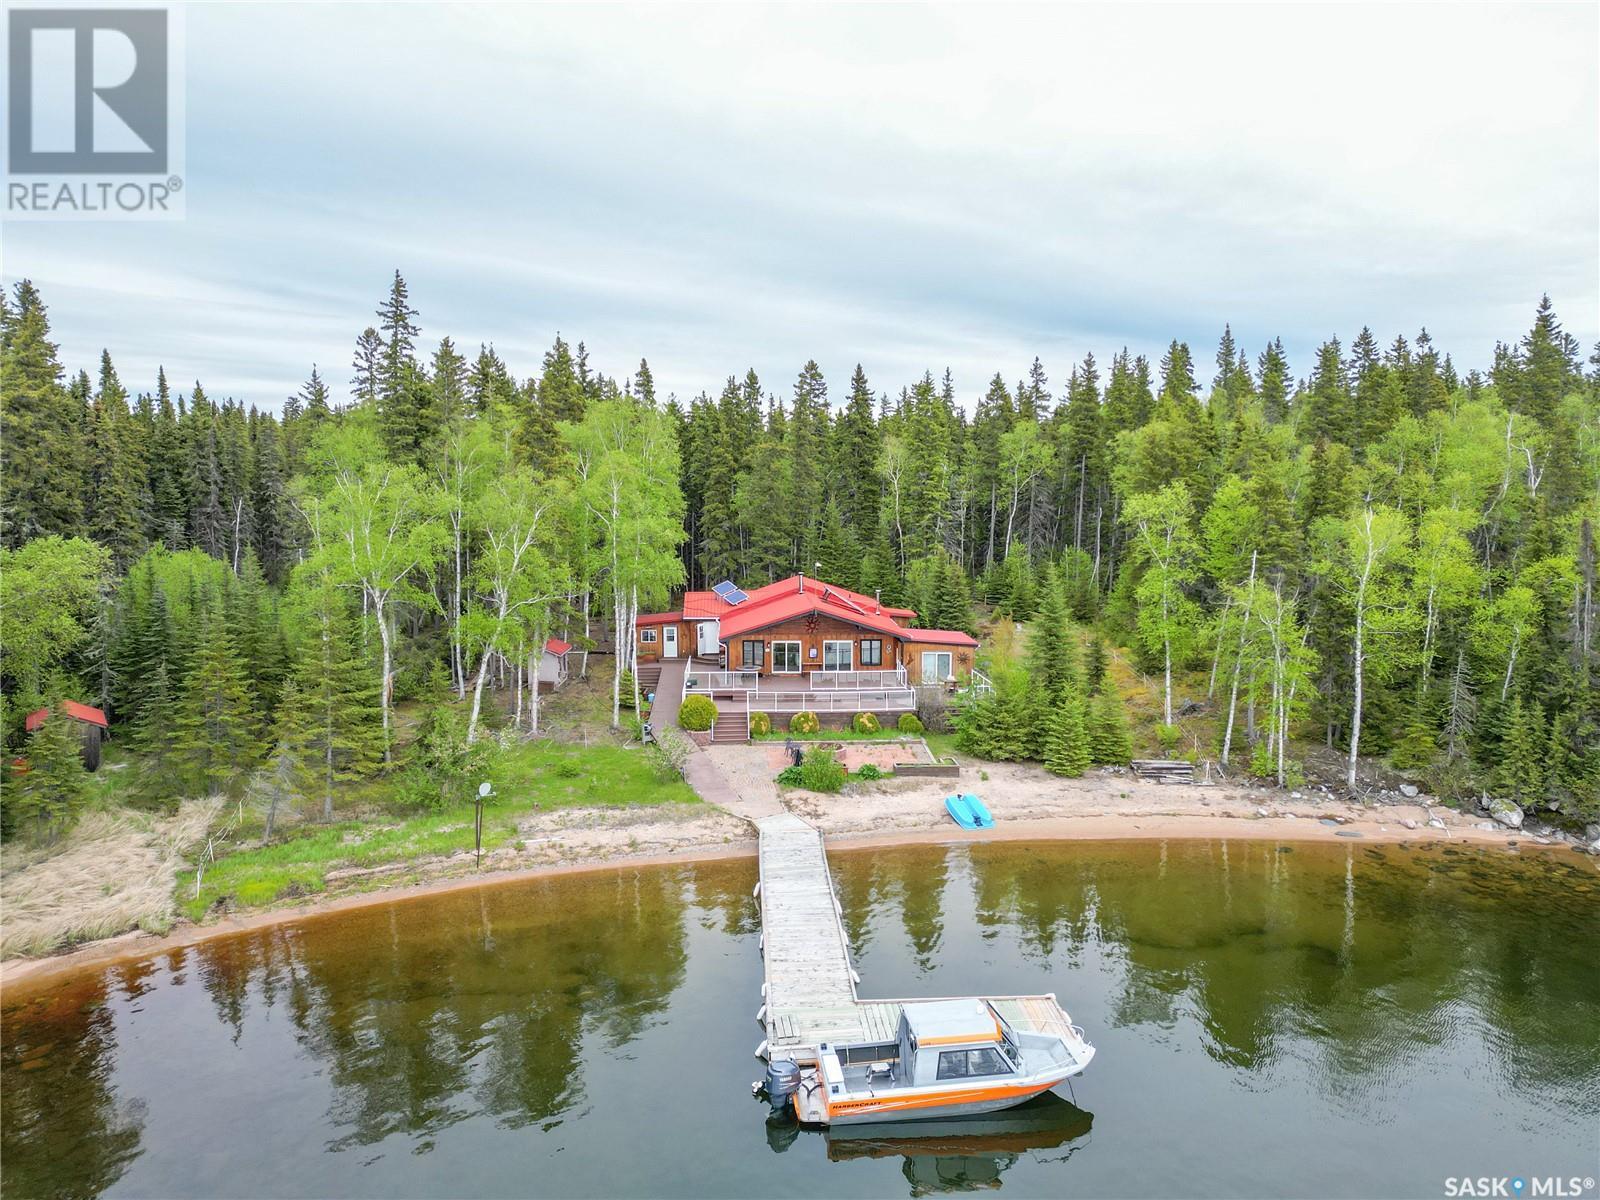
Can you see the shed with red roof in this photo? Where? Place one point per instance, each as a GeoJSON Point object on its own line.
{"type": "Point", "coordinates": [91, 723]}
{"type": "Point", "coordinates": [553, 664]}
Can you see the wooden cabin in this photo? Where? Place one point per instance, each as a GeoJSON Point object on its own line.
{"type": "Point", "coordinates": [802, 627]}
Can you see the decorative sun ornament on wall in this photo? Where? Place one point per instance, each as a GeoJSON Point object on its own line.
{"type": "Point", "coordinates": [813, 623]}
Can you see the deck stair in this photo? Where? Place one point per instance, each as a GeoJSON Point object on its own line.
{"type": "Point", "coordinates": [733, 725]}
{"type": "Point", "coordinates": [649, 676]}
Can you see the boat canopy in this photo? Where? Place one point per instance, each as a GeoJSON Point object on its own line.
{"type": "Point", "coordinates": [951, 1022]}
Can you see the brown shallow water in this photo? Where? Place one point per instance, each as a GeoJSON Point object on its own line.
{"type": "Point", "coordinates": [1298, 1020]}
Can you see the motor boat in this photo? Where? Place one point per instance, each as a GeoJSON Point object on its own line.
{"type": "Point", "coordinates": [953, 1058]}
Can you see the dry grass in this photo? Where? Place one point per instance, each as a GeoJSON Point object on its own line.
{"type": "Point", "coordinates": [114, 872]}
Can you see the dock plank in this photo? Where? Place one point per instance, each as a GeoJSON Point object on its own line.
{"type": "Point", "coordinates": [810, 988]}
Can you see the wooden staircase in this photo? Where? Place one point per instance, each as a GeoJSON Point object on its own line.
{"type": "Point", "coordinates": [649, 677]}
{"type": "Point", "coordinates": [733, 725]}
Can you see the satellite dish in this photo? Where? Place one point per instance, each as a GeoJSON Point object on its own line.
{"type": "Point", "coordinates": [483, 788]}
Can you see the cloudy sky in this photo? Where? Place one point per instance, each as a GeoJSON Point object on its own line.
{"type": "Point", "coordinates": [911, 188]}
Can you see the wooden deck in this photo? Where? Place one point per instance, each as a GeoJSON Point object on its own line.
{"type": "Point", "coordinates": [809, 995]}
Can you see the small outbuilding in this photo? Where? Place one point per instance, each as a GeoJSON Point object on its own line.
{"type": "Point", "coordinates": [553, 665]}
{"type": "Point", "coordinates": [91, 723]}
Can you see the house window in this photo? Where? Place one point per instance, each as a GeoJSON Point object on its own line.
{"type": "Point", "coordinates": [647, 636]}
{"type": "Point", "coordinates": [751, 654]}
{"type": "Point", "coordinates": [838, 656]}
{"type": "Point", "coordinates": [963, 1064]}
{"type": "Point", "coordinates": [872, 652]}
{"type": "Point", "coordinates": [786, 658]}
{"type": "Point", "coordinates": [936, 666]}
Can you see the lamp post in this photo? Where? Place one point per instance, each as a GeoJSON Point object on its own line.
{"type": "Point", "coordinates": [484, 792]}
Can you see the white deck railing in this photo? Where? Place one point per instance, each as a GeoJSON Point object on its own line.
{"type": "Point", "coordinates": [832, 700]}
{"type": "Point", "coordinates": [719, 681]}
{"type": "Point", "coordinates": [886, 677]}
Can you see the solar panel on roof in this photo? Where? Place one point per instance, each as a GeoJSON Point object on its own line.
{"type": "Point", "coordinates": [729, 592]}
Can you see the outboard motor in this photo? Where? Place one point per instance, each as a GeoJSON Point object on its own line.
{"type": "Point", "coordinates": [783, 1080]}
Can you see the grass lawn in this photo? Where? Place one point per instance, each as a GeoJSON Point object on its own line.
{"type": "Point", "coordinates": [532, 776]}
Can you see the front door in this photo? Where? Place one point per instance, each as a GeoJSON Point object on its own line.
{"type": "Point", "coordinates": [669, 641]}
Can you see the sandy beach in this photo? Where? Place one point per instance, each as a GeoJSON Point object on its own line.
{"type": "Point", "coordinates": [1028, 805]}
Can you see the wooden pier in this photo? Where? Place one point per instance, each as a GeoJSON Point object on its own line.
{"type": "Point", "coordinates": [809, 993]}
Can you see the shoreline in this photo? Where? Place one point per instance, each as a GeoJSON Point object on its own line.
{"type": "Point", "coordinates": [1088, 827]}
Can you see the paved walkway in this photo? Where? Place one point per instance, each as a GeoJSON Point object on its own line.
{"type": "Point", "coordinates": [734, 778]}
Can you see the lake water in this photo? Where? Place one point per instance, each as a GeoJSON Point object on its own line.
{"type": "Point", "coordinates": [1270, 1020]}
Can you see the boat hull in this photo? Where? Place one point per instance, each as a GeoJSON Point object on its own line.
{"type": "Point", "coordinates": [931, 1104]}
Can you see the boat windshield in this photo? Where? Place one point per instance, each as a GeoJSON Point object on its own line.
{"type": "Point", "coordinates": [964, 1064]}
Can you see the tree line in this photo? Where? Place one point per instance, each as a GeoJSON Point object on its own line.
{"type": "Point", "coordinates": [1383, 552]}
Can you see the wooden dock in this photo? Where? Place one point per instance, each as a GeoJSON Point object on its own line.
{"type": "Point", "coordinates": [809, 993]}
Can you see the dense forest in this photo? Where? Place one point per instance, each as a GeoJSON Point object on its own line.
{"type": "Point", "coordinates": [1383, 554]}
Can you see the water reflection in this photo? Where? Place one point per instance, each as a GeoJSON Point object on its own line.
{"type": "Point", "coordinates": [1429, 1011]}
{"type": "Point", "coordinates": [960, 1154]}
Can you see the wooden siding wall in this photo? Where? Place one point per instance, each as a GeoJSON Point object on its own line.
{"type": "Point", "coordinates": [829, 629]}
{"type": "Point", "coordinates": [651, 651]}
{"type": "Point", "coordinates": [961, 659]}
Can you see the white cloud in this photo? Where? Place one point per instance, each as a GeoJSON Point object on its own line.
{"type": "Point", "coordinates": [908, 187]}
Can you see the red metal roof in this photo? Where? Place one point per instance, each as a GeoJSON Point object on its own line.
{"type": "Point", "coordinates": [556, 646]}
{"type": "Point", "coordinates": [80, 712]}
{"type": "Point", "coordinates": [657, 618]}
{"type": "Point", "coordinates": [800, 596]}
{"type": "Point", "coordinates": [941, 637]}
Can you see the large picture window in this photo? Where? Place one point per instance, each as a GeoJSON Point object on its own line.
{"type": "Point", "coordinates": [838, 656]}
{"type": "Point", "coordinates": [872, 652]}
{"type": "Point", "coordinates": [936, 666]}
{"type": "Point", "coordinates": [786, 658]}
{"type": "Point", "coordinates": [751, 654]}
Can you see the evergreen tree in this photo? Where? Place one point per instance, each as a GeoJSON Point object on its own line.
{"type": "Point", "coordinates": [1051, 653]}
{"type": "Point", "coordinates": [1109, 742]}
{"type": "Point", "coordinates": [56, 785]}
{"type": "Point", "coordinates": [1519, 774]}
{"type": "Point", "coordinates": [41, 490]}
{"type": "Point", "coordinates": [1274, 389]}
{"type": "Point", "coordinates": [1095, 664]}
{"type": "Point", "coordinates": [327, 713]}
{"type": "Point", "coordinates": [215, 724]}
{"type": "Point", "coordinates": [1067, 749]}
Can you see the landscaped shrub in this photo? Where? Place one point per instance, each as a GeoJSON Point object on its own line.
{"type": "Point", "coordinates": [789, 777]}
{"type": "Point", "coordinates": [865, 722]}
{"type": "Point", "coordinates": [627, 689]}
{"type": "Point", "coordinates": [869, 771]}
{"type": "Point", "coordinates": [908, 723]}
{"type": "Point", "coordinates": [697, 713]}
{"type": "Point", "coordinates": [820, 771]}
{"type": "Point", "coordinates": [760, 724]}
{"type": "Point", "coordinates": [804, 722]}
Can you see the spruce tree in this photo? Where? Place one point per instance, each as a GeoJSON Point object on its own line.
{"type": "Point", "coordinates": [327, 715]}
{"type": "Point", "coordinates": [56, 784]}
{"type": "Point", "coordinates": [1067, 749]}
{"type": "Point", "coordinates": [1052, 655]}
{"type": "Point", "coordinates": [1096, 662]}
{"type": "Point", "coordinates": [41, 487]}
{"type": "Point", "coordinates": [1109, 741]}
{"type": "Point", "coordinates": [216, 725]}
{"type": "Point", "coordinates": [1519, 773]}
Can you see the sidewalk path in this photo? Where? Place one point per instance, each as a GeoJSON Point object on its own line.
{"type": "Point", "coordinates": [736, 779]}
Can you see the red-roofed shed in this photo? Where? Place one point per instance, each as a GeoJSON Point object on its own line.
{"type": "Point", "coordinates": [91, 724]}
